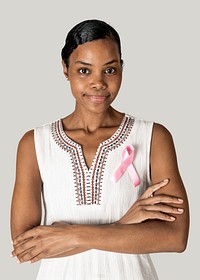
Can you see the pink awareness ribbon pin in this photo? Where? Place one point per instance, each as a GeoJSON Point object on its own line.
{"type": "Point", "coordinates": [128, 156]}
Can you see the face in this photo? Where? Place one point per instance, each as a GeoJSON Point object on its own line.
{"type": "Point", "coordinates": [95, 74]}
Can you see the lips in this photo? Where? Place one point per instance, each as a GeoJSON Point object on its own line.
{"type": "Point", "coordinates": [97, 98]}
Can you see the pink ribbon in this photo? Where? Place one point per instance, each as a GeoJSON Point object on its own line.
{"type": "Point", "coordinates": [128, 156]}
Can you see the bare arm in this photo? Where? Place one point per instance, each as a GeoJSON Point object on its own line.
{"type": "Point", "coordinates": [164, 163]}
{"type": "Point", "coordinates": [127, 236]}
{"type": "Point", "coordinates": [26, 200]}
{"type": "Point", "coordinates": [157, 235]}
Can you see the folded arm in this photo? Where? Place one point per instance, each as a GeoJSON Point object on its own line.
{"type": "Point", "coordinates": [152, 224]}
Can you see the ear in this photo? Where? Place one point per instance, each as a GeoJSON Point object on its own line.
{"type": "Point", "coordinates": [65, 71]}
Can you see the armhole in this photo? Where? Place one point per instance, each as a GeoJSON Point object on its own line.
{"type": "Point", "coordinates": [149, 143]}
{"type": "Point", "coordinates": [38, 152]}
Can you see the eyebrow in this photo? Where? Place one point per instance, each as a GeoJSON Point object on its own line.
{"type": "Point", "coordinates": [89, 64]}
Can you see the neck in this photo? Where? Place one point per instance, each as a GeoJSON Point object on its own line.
{"type": "Point", "coordinates": [90, 121]}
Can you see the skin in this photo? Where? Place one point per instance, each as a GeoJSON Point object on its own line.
{"type": "Point", "coordinates": [161, 214]}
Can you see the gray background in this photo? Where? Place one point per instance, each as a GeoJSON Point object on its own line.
{"type": "Point", "coordinates": [160, 44]}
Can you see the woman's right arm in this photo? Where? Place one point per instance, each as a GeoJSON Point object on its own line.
{"type": "Point", "coordinates": [26, 209]}
{"type": "Point", "coordinates": [26, 200]}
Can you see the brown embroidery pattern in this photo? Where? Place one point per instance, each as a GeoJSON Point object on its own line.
{"type": "Point", "coordinates": [88, 183]}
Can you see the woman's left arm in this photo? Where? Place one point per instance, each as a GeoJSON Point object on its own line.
{"type": "Point", "coordinates": [164, 164]}
{"type": "Point", "coordinates": [150, 235]}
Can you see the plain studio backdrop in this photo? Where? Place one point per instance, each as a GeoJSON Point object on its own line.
{"type": "Point", "coordinates": [160, 47]}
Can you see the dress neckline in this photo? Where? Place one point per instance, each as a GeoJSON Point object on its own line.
{"type": "Point", "coordinates": [88, 182]}
{"type": "Point", "coordinates": [80, 148]}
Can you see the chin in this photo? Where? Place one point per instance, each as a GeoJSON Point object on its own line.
{"type": "Point", "coordinates": [98, 109]}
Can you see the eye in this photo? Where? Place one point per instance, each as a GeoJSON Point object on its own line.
{"type": "Point", "coordinates": [110, 71]}
{"type": "Point", "coordinates": [84, 71]}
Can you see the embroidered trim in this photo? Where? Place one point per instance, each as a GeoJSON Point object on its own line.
{"type": "Point", "coordinates": [88, 182]}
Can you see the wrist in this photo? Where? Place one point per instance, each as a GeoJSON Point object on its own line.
{"type": "Point", "coordinates": [80, 235]}
{"type": "Point", "coordinates": [90, 236]}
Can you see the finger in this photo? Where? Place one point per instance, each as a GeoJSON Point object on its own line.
{"type": "Point", "coordinates": [149, 192]}
{"type": "Point", "coordinates": [154, 215]}
{"type": "Point", "coordinates": [23, 247]}
{"type": "Point", "coordinates": [23, 237]}
{"type": "Point", "coordinates": [36, 254]}
{"type": "Point", "coordinates": [162, 198]}
{"type": "Point", "coordinates": [165, 209]}
{"type": "Point", "coordinates": [28, 255]}
{"type": "Point", "coordinates": [26, 235]}
{"type": "Point", "coordinates": [31, 253]}
{"type": "Point", "coordinates": [37, 258]}
{"type": "Point", "coordinates": [20, 258]}
{"type": "Point", "coordinates": [21, 242]}
{"type": "Point", "coordinates": [144, 215]}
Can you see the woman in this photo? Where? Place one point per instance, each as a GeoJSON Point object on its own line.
{"type": "Point", "coordinates": [110, 182]}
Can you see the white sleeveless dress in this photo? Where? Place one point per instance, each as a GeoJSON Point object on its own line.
{"type": "Point", "coordinates": [78, 195]}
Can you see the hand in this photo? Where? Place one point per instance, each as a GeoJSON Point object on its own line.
{"type": "Point", "coordinates": [43, 242]}
{"type": "Point", "coordinates": [150, 207]}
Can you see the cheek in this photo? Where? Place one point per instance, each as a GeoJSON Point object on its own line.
{"type": "Point", "coordinates": [115, 83]}
{"type": "Point", "coordinates": [77, 86]}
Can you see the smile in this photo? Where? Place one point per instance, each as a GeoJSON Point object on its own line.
{"type": "Point", "coordinates": [97, 98]}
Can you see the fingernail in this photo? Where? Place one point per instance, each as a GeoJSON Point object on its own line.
{"type": "Point", "coordinates": [11, 255]}
{"type": "Point", "coordinates": [180, 210]}
{"type": "Point", "coordinates": [180, 200]}
{"type": "Point", "coordinates": [12, 242]}
{"type": "Point", "coordinates": [172, 218]}
{"type": "Point", "coordinates": [18, 261]}
{"type": "Point", "coordinates": [166, 180]}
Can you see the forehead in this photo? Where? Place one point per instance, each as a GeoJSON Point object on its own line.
{"type": "Point", "coordinates": [102, 49]}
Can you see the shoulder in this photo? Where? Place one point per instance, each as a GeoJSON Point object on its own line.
{"type": "Point", "coordinates": [162, 145]}
{"type": "Point", "coordinates": [161, 134]}
{"type": "Point", "coordinates": [28, 138]}
{"type": "Point", "coordinates": [139, 121]}
{"type": "Point", "coordinates": [141, 126]}
{"type": "Point", "coordinates": [26, 143]}
{"type": "Point", "coordinates": [44, 127]}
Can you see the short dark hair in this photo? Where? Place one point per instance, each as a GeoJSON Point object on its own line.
{"type": "Point", "coordinates": [87, 31]}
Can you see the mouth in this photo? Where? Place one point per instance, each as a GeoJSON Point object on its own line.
{"type": "Point", "coordinates": [98, 99]}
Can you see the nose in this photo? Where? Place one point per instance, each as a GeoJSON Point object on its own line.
{"type": "Point", "coordinates": [98, 82]}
